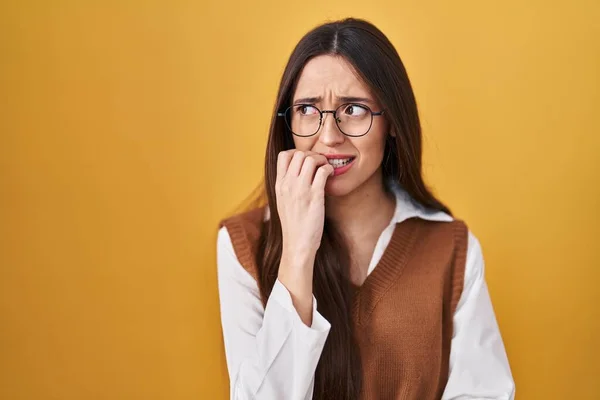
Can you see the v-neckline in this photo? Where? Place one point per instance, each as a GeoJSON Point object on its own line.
{"type": "Point", "coordinates": [387, 270]}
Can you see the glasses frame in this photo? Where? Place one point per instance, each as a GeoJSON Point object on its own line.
{"type": "Point", "coordinates": [335, 117]}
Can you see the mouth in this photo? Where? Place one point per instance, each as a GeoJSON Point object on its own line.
{"type": "Point", "coordinates": [341, 163]}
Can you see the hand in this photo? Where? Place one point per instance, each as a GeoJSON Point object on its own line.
{"type": "Point", "coordinates": [300, 191]}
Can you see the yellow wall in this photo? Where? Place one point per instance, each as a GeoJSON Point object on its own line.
{"type": "Point", "coordinates": [128, 129]}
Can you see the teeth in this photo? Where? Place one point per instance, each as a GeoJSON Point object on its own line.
{"type": "Point", "coordinates": [339, 162]}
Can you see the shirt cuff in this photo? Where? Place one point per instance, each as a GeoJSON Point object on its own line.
{"type": "Point", "coordinates": [319, 327]}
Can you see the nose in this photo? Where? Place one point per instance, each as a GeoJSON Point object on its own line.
{"type": "Point", "coordinates": [330, 135]}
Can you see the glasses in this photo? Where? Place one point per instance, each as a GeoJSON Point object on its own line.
{"type": "Point", "coordinates": [352, 119]}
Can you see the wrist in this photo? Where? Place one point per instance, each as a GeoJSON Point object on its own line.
{"type": "Point", "coordinates": [298, 260]}
{"type": "Point", "coordinates": [296, 274]}
{"type": "Point", "coordinates": [297, 271]}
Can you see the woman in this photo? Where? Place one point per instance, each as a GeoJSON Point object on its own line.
{"type": "Point", "coordinates": [354, 281]}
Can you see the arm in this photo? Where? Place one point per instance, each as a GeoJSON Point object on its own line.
{"type": "Point", "coordinates": [271, 353]}
{"type": "Point", "coordinates": [478, 363]}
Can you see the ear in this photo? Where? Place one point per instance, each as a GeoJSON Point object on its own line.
{"type": "Point", "coordinates": [392, 133]}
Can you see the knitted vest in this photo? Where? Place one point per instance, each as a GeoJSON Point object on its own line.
{"type": "Point", "coordinates": [403, 311]}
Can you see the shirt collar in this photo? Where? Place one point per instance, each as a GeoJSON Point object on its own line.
{"type": "Point", "coordinates": [407, 207]}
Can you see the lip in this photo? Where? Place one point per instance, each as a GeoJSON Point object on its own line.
{"type": "Point", "coordinates": [338, 156]}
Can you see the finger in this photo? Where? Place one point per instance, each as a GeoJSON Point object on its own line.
{"type": "Point", "coordinates": [296, 163]}
{"type": "Point", "coordinates": [283, 163]}
{"type": "Point", "coordinates": [323, 173]}
{"type": "Point", "coordinates": [310, 165]}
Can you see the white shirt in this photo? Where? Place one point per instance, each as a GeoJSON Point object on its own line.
{"type": "Point", "coordinates": [272, 354]}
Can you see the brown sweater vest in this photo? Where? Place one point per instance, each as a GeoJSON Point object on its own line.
{"type": "Point", "coordinates": [403, 311]}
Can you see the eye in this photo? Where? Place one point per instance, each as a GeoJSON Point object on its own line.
{"type": "Point", "coordinates": [355, 110]}
{"type": "Point", "coordinates": [305, 109]}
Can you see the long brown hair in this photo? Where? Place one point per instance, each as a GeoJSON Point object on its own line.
{"type": "Point", "coordinates": [338, 374]}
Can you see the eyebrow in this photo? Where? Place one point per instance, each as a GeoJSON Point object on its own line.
{"type": "Point", "coordinates": [343, 99]}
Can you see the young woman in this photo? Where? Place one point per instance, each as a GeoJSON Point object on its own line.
{"type": "Point", "coordinates": [354, 281]}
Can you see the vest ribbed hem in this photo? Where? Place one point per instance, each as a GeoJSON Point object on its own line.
{"type": "Point", "coordinates": [239, 228]}
{"type": "Point", "coordinates": [461, 241]}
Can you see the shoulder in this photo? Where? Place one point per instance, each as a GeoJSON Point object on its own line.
{"type": "Point", "coordinates": [245, 226]}
{"type": "Point", "coordinates": [450, 230]}
{"type": "Point", "coordinates": [253, 217]}
{"type": "Point", "coordinates": [239, 236]}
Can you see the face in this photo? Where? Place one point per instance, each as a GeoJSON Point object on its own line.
{"type": "Point", "coordinates": [327, 82]}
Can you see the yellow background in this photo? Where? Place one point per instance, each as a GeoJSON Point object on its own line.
{"type": "Point", "coordinates": [128, 129]}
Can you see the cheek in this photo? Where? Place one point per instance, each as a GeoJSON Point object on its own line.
{"type": "Point", "coordinates": [304, 144]}
{"type": "Point", "coordinates": [371, 152]}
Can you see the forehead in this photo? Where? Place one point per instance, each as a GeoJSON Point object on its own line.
{"type": "Point", "coordinates": [329, 73]}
